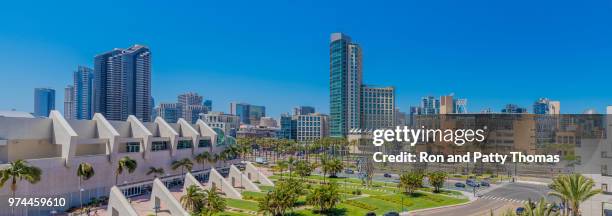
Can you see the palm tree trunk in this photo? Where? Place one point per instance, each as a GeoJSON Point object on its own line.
{"type": "Point", "coordinates": [80, 193]}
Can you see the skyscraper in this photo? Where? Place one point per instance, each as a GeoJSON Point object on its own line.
{"type": "Point", "coordinates": [208, 105]}
{"type": "Point", "coordinates": [303, 110]}
{"type": "Point", "coordinates": [192, 106]}
{"type": "Point", "coordinates": [447, 104]}
{"type": "Point", "coordinates": [430, 105]}
{"type": "Point", "coordinates": [69, 102]}
{"type": "Point", "coordinates": [377, 107]}
{"type": "Point", "coordinates": [345, 84]}
{"type": "Point", "coordinates": [83, 93]}
{"type": "Point", "coordinates": [44, 101]}
{"type": "Point", "coordinates": [123, 83]}
{"type": "Point", "coordinates": [249, 114]}
{"type": "Point", "coordinates": [546, 106]}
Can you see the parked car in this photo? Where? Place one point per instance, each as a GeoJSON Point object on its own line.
{"type": "Point", "coordinates": [520, 211]}
{"type": "Point", "coordinates": [485, 184]}
{"type": "Point", "coordinates": [472, 184]}
{"type": "Point", "coordinates": [261, 160]}
{"type": "Point", "coordinates": [370, 214]}
{"type": "Point", "coordinates": [459, 184]}
{"type": "Point", "coordinates": [387, 175]}
{"type": "Point", "coordinates": [391, 214]}
{"type": "Point", "coordinates": [349, 171]}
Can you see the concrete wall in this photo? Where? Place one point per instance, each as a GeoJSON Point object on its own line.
{"type": "Point", "coordinates": [215, 178]}
{"type": "Point", "coordinates": [161, 194]}
{"type": "Point", "coordinates": [255, 175]}
{"type": "Point", "coordinates": [118, 204]}
{"type": "Point", "coordinates": [241, 180]}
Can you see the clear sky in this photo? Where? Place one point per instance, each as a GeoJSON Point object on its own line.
{"type": "Point", "coordinates": [276, 53]}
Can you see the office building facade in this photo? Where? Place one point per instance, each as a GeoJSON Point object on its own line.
{"type": "Point", "coordinates": [303, 110]}
{"type": "Point", "coordinates": [513, 109]}
{"type": "Point", "coordinates": [378, 107]}
{"type": "Point", "coordinates": [311, 127]}
{"type": "Point", "coordinates": [123, 83]}
{"type": "Point", "coordinates": [192, 106]}
{"type": "Point", "coordinates": [545, 106]}
{"type": "Point", "coordinates": [69, 102]}
{"type": "Point", "coordinates": [44, 101]}
{"type": "Point", "coordinates": [170, 112]}
{"type": "Point", "coordinates": [248, 114]}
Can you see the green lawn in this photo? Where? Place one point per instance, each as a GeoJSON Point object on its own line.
{"type": "Point", "coordinates": [381, 198]}
{"type": "Point", "coordinates": [242, 204]}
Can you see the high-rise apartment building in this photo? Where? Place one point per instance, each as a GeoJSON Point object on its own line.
{"type": "Point", "coordinates": [430, 105]}
{"type": "Point", "coordinates": [345, 84]}
{"type": "Point", "coordinates": [377, 107]}
{"type": "Point", "coordinates": [170, 112]}
{"type": "Point", "coordinates": [192, 105]}
{"type": "Point", "coordinates": [123, 83]}
{"type": "Point", "coordinates": [249, 114]}
{"type": "Point", "coordinates": [83, 79]}
{"type": "Point", "coordinates": [69, 102]}
{"type": "Point", "coordinates": [447, 105]}
{"type": "Point", "coordinates": [44, 101]}
{"type": "Point", "coordinates": [546, 106]}
{"type": "Point", "coordinates": [303, 110]}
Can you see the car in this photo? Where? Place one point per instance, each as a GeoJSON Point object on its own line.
{"type": "Point", "coordinates": [485, 184]}
{"type": "Point", "coordinates": [460, 185]}
{"type": "Point", "coordinates": [370, 214]}
{"type": "Point", "coordinates": [391, 214]}
{"type": "Point", "coordinates": [520, 211]}
{"type": "Point", "coordinates": [349, 171]}
{"type": "Point", "coordinates": [387, 175]}
{"type": "Point", "coordinates": [472, 184]}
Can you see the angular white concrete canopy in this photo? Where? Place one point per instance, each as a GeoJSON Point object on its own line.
{"type": "Point", "coordinates": [118, 205]}
{"type": "Point", "coordinates": [64, 135]}
{"type": "Point", "coordinates": [217, 179]}
{"type": "Point", "coordinates": [241, 180]}
{"type": "Point", "coordinates": [255, 175]}
{"type": "Point", "coordinates": [160, 193]}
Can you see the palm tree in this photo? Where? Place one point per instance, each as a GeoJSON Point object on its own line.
{"type": "Point", "coordinates": [155, 171]}
{"type": "Point", "coordinates": [84, 171]}
{"type": "Point", "coordinates": [16, 171]}
{"type": "Point", "coordinates": [573, 189]}
{"type": "Point", "coordinates": [541, 209]}
{"type": "Point", "coordinates": [291, 162]}
{"type": "Point", "coordinates": [185, 163]}
{"type": "Point", "coordinates": [125, 163]}
{"type": "Point", "coordinates": [214, 202]}
{"type": "Point", "coordinates": [202, 158]}
{"type": "Point", "coordinates": [193, 199]}
{"type": "Point", "coordinates": [333, 167]}
{"type": "Point", "coordinates": [280, 167]}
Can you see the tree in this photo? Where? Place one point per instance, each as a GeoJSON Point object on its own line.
{"type": "Point", "coordinates": [193, 199]}
{"type": "Point", "coordinates": [213, 202]}
{"type": "Point", "coordinates": [304, 168]}
{"type": "Point", "coordinates": [291, 165]}
{"type": "Point", "coordinates": [411, 181]}
{"type": "Point", "coordinates": [324, 197]}
{"type": "Point", "coordinates": [16, 172]}
{"type": "Point", "coordinates": [280, 167]}
{"type": "Point", "coordinates": [282, 198]}
{"type": "Point", "coordinates": [437, 179]}
{"type": "Point", "coordinates": [84, 171]}
{"type": "Point", "coordinates": [573, 189]}
{"type": "Point", "coordinates": [541, 209]}
{"type": "Point", "coordinates": [155, 171]}
{"type": "Point", "coordinates": [333, 167]}
{"type": "Point", "coordinates": [184, 163]}
{"type": "Point", "coordinates": [125, 163]}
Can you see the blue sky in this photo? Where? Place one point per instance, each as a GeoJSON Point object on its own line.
{"type": "Point", "coordinates": [275, 53]}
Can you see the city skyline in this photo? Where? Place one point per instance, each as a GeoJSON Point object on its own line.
{"type": "Point", "coordinates": [430, 62]}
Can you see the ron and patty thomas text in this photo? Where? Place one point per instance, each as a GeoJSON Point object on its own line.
{"type": "Point", "coordinates": [456, 136]}
{"type": "Point", "coordinates": [424, 157]}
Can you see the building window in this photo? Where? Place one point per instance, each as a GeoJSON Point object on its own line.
{"type": "Point", "coordinates": [604, 187]}
{"type": "Point", "coordinates": [204, 143]}
{"type": "Point", "coordinates": [159, 146]}
{"type": "Point", "coordinates": [183, 144]}
{"type": "Point", "coordinates": [132, 147]}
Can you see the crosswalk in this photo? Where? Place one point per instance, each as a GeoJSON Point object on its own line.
{"type": "Point", "coordinates": [505, 199]}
